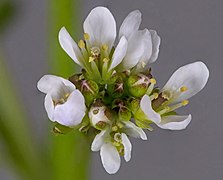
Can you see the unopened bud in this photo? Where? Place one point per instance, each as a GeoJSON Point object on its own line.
{"type": "Point", "coordinates": [137, 85]}
{"type": "Point", "coordinates": [124, 114]}
{"type": "Point", "coordinates": [90, 90]}
{"type": "Point", "coordinates": [134, 105]}
{"type": "Point", "coordinates": [116, 87]}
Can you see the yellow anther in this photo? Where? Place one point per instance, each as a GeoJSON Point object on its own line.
{"type": "Point", "coordinates": [105, 60]}
{"type": "Point", "coordinates": [81, 44]}
{"type": "Point", "coordinates": [114, 128]}
{"type": "Point", "coordinates": [104, 47]}
{"type": "Point", "coordinates": [185, 102]}
{"type": "Point", "coordinates": [153, 81]}
{"type": "Point", "coordinates": [156, 95]}
{"type": "Point", "coordinates": [67, 95]}
{"type": "Point", "coordinates": [120, 125]}
{"type": "Point", "coordinates": [183, 89]}
{"type": "Point", "coordinates": [91, 59]}
{"type": "Point", "coordinates": [86, 36]}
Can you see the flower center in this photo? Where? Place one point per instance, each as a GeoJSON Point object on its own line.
{"type": "Point", "coordinates": [62, 100]}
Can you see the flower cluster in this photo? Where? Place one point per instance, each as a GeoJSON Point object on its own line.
{"type": "Point", "coordinates": [115, 95]}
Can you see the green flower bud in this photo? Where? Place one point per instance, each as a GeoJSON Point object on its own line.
{"type": "Point", "coordinates": [134, 105]}
{"type": "Point", "coordinates": [89, 90]}
{"type": "Point", "coordinates": [124, 114]}
{"type": "Point", "coordinates": [137, 85]}
{"type": "Point", "coordinates": [116, 87]}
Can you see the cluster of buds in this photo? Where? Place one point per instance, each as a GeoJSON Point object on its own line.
{"type": "Point", "coordinates": [115, 95]}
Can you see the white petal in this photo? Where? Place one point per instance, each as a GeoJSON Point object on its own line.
{"type": "Point", "coordinates": [130, 24]}
{"type": "Point", "coordinates": [101, 26]}
{"type": "Point", "coordinates": [132, 130]}
{"type": "Point", "coordinates": [49, 82]}
{"type": "Point", "coordinates": [110, 158]}
{"type": "Point", "coordinates": [119, 53]}
{"type": "Point", "coordinates": [147, 41]}
{"type": "Point", "coordinates": [146, 107]}
{"type": "Point", "coordinates": [127, 147]}
{"type": "Point", "coordinates": [155, 46]}
{"type": "Point", "coordinates": [49, 106]}
{"type": "Point", "coordinates": [98, 141]}
{"type": "Point", "coordinates": [72, 111]}
{"type": "Point", "coordinates": [194, 76]}
{"type": "Point", "coordinates": [175, 122]}
{"type": "Point", "coordinates": [70, 46]}
{"type": "Point", "coordinates": [135, 51]}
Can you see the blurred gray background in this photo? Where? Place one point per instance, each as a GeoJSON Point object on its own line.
{"type": "Point", "coordinates": [190, 30]}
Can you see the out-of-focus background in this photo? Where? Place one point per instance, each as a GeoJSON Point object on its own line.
{"type": "Point", "coordinates": [189, 30]}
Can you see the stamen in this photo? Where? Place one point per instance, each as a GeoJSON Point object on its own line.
{"type": "Point", "coordinates": [185, 102]}
{"type": "Point", "coordinates": [105, 47]}
{"type": "Point", "coordinates": [165, 110]}
{"type": "Point", "coordinates": [183, 89]}
{"type": "Point", "coordinates": [120, 125]}
{"type": "Point", "coordinates": [166, 94]}
{"type": "Point", "coordinates": [67, 95]}
{"type": "Point", "coordinates": [118, 137]}
{"type": "Point", "coordinates": [151, 86]}
{"type": "Point", "coordinates": [86, 36]}
{"type": "Point", "coordinates": [153, 81]}
{"type": "Point", "coordinates": [105, 60]}
{"type": "Point", "coordinates": [81, 44]}
{"type": "Point", "coordinates": [114, 128]}
{"type": "Point", "coordinates": [61, 100]}
{"type": "Point", "coordinates": [91, 59]}
{"type": "Point", "coordinates": [154, 96]}
{"type": "Point", "coordinates": [177, 106]}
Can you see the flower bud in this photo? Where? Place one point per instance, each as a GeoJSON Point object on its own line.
{"type": "Point", "coordinates": [99, 117]}
{"type": "Point", "coordinates": [134, 105]}
{"type": "Point", "coordinates": [137, 85]}
{"type": "Point", "coordinates": [76, 80]}
{"type": "Point", "coordinates": [116, 87]}
{"type": "Point", "coordinates": [89, 90]}
{"type": "Point", "coordinates": [124, 114]}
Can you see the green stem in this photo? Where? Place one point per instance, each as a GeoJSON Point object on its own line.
{"type": "Point", "coordinates": [70, 152]}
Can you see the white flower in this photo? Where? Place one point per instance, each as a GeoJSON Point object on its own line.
{"type": "Point", "coordinates": [111, 147]}
{"type": "Point", "coordinates": [187, 81]}
{"type": "Point", "coordinates": [100, 33]}
{"type": "Point", "coordinates": [135, 47]}
{"type": "Point", "coordinates": [63, 102]}
{"type": "Point", "coordinates": [143, 45]}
